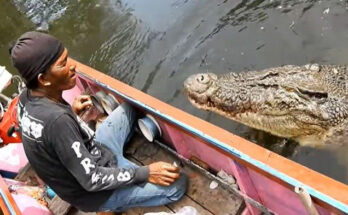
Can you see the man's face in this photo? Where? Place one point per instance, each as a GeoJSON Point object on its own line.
{"type": "Point", "coordinates": [61, 74]}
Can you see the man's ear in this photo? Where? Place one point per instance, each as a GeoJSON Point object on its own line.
{"type": "Point", "coordinates": [43, 80]}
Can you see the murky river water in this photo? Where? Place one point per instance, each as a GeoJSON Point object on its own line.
{"type": "Point", "coordinates": [155, 45]}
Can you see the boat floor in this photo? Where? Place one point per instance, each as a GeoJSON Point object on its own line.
{"type": "Point", "coordinates": [206, 201]}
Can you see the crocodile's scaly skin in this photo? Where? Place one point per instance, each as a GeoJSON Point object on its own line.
{"type": "Point", "coordinates": [306, 103]}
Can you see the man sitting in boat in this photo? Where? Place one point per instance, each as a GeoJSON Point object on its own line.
{"type": "Point", "coordinates": [85, 169]}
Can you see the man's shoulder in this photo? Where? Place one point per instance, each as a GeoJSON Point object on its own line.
{"type": "Point", "coordinates": [36, 115]}
{"type": "Point", "coordinates": [41, 108]}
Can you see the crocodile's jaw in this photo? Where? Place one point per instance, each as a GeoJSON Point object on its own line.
{"type": "Point", "coordinates": [281, 125]}
{"type": "Point", "coordinates": [207, 106]}
{"type": "Point", "coordinates": [278, 125]}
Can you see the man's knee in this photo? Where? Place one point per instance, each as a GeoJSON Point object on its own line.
{"type": "Point", "coordinates": [127, 107]}
{"type": "Point", "coordinates": [128, 110]}
{"type": "Point", "coordinates": [178, 188]}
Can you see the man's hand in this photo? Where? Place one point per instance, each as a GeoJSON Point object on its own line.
{"type": "Point", "coordinates": [163, 173]}
{"type": "Point", "coordinates": [80, 103]}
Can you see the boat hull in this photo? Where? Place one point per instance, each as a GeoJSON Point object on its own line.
{"type": "Point", "coordinates": [262, 175]}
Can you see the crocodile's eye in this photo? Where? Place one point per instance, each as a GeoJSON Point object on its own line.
{"type": "Point", "coordinates": [203, 78]}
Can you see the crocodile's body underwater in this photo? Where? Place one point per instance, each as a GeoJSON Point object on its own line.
{"type": "Point", "coordinates": [306, 103]}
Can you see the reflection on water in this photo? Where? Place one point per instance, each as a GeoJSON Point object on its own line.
{"type": "Point", "coordinates": [12, 25]}
{"type": "Point", "coordinates": [42, 12]}
{"type": "Point", "coordinates": [256, 12]}
{"type": "Point", "coordinates": [155, 45]}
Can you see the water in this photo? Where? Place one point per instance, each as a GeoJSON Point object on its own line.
{"type": "Point", "coordinates": [155, 45]}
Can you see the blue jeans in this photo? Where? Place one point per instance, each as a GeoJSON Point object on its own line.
{"type": "Point", "coordinates": [114, 132]}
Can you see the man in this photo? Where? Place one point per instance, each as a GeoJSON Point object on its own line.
{"type": "Point", "coordinates": [86, 170]}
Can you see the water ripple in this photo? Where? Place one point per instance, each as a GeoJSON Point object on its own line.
{"type": "Point", "coordinates": [42, 12]}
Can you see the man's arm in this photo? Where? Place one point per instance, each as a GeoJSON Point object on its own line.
{"type": "Point", "coordinates": [68, 144]}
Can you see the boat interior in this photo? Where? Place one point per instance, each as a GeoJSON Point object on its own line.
{"type": "Point", "coordinates": [208, 193]}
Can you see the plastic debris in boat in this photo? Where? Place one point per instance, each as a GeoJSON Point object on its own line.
{"type": "Point", "coordinates": [29, 199]}
{"type": "Point", "coordinates": [229, 179]}
{"type": "Point", "coordinates": [12, 159]}
{"type": "Point", "coordinates": [5, 78]}
{"type": "Point", "coordinates": [149, 127]}
{"type": "Point", "coordinates": [35, 192]}
{"type": "Point", "coordinates": [226, 177]}
{"type": "Point", "coordinates": [50, 193]}
{"type": "Point", "coordinates": [213, 185]}
{"type": "Point", "coordinates": [186, 210]}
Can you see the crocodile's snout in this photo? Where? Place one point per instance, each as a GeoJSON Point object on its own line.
{"type": "Point", "coordinates": [199, 86]}
{"type": "Point", "coordinates": [198, 83]}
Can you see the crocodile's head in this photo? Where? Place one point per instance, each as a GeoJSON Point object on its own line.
{"type": "Point", "coordinates": [288, 101]}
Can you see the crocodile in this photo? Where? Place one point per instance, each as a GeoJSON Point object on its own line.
{"type": "Point", "coordinates": [308, 103]}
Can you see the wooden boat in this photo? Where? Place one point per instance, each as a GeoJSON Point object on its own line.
{"type": "Point", "coordinates": [266, 182]}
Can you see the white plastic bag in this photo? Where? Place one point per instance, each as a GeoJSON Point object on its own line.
{"type": "Point", "coordinates": [187, 210]}
{"type": "Point", "coordinates": [158, 213]}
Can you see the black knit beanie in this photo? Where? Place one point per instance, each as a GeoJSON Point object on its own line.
{"type": "Point", "coordinates": [34, 53]}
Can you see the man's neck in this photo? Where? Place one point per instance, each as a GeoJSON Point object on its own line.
{"type": "Point", "coordinates": [56, 96]}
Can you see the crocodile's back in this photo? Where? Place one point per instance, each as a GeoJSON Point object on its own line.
{"type": "Point", "coordinates": [335, 79]}
{"type": "Point", "coordinates": [328, 79]}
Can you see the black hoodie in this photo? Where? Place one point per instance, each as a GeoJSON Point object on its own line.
{"type": "Point", "coordinates": [61, 149]}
